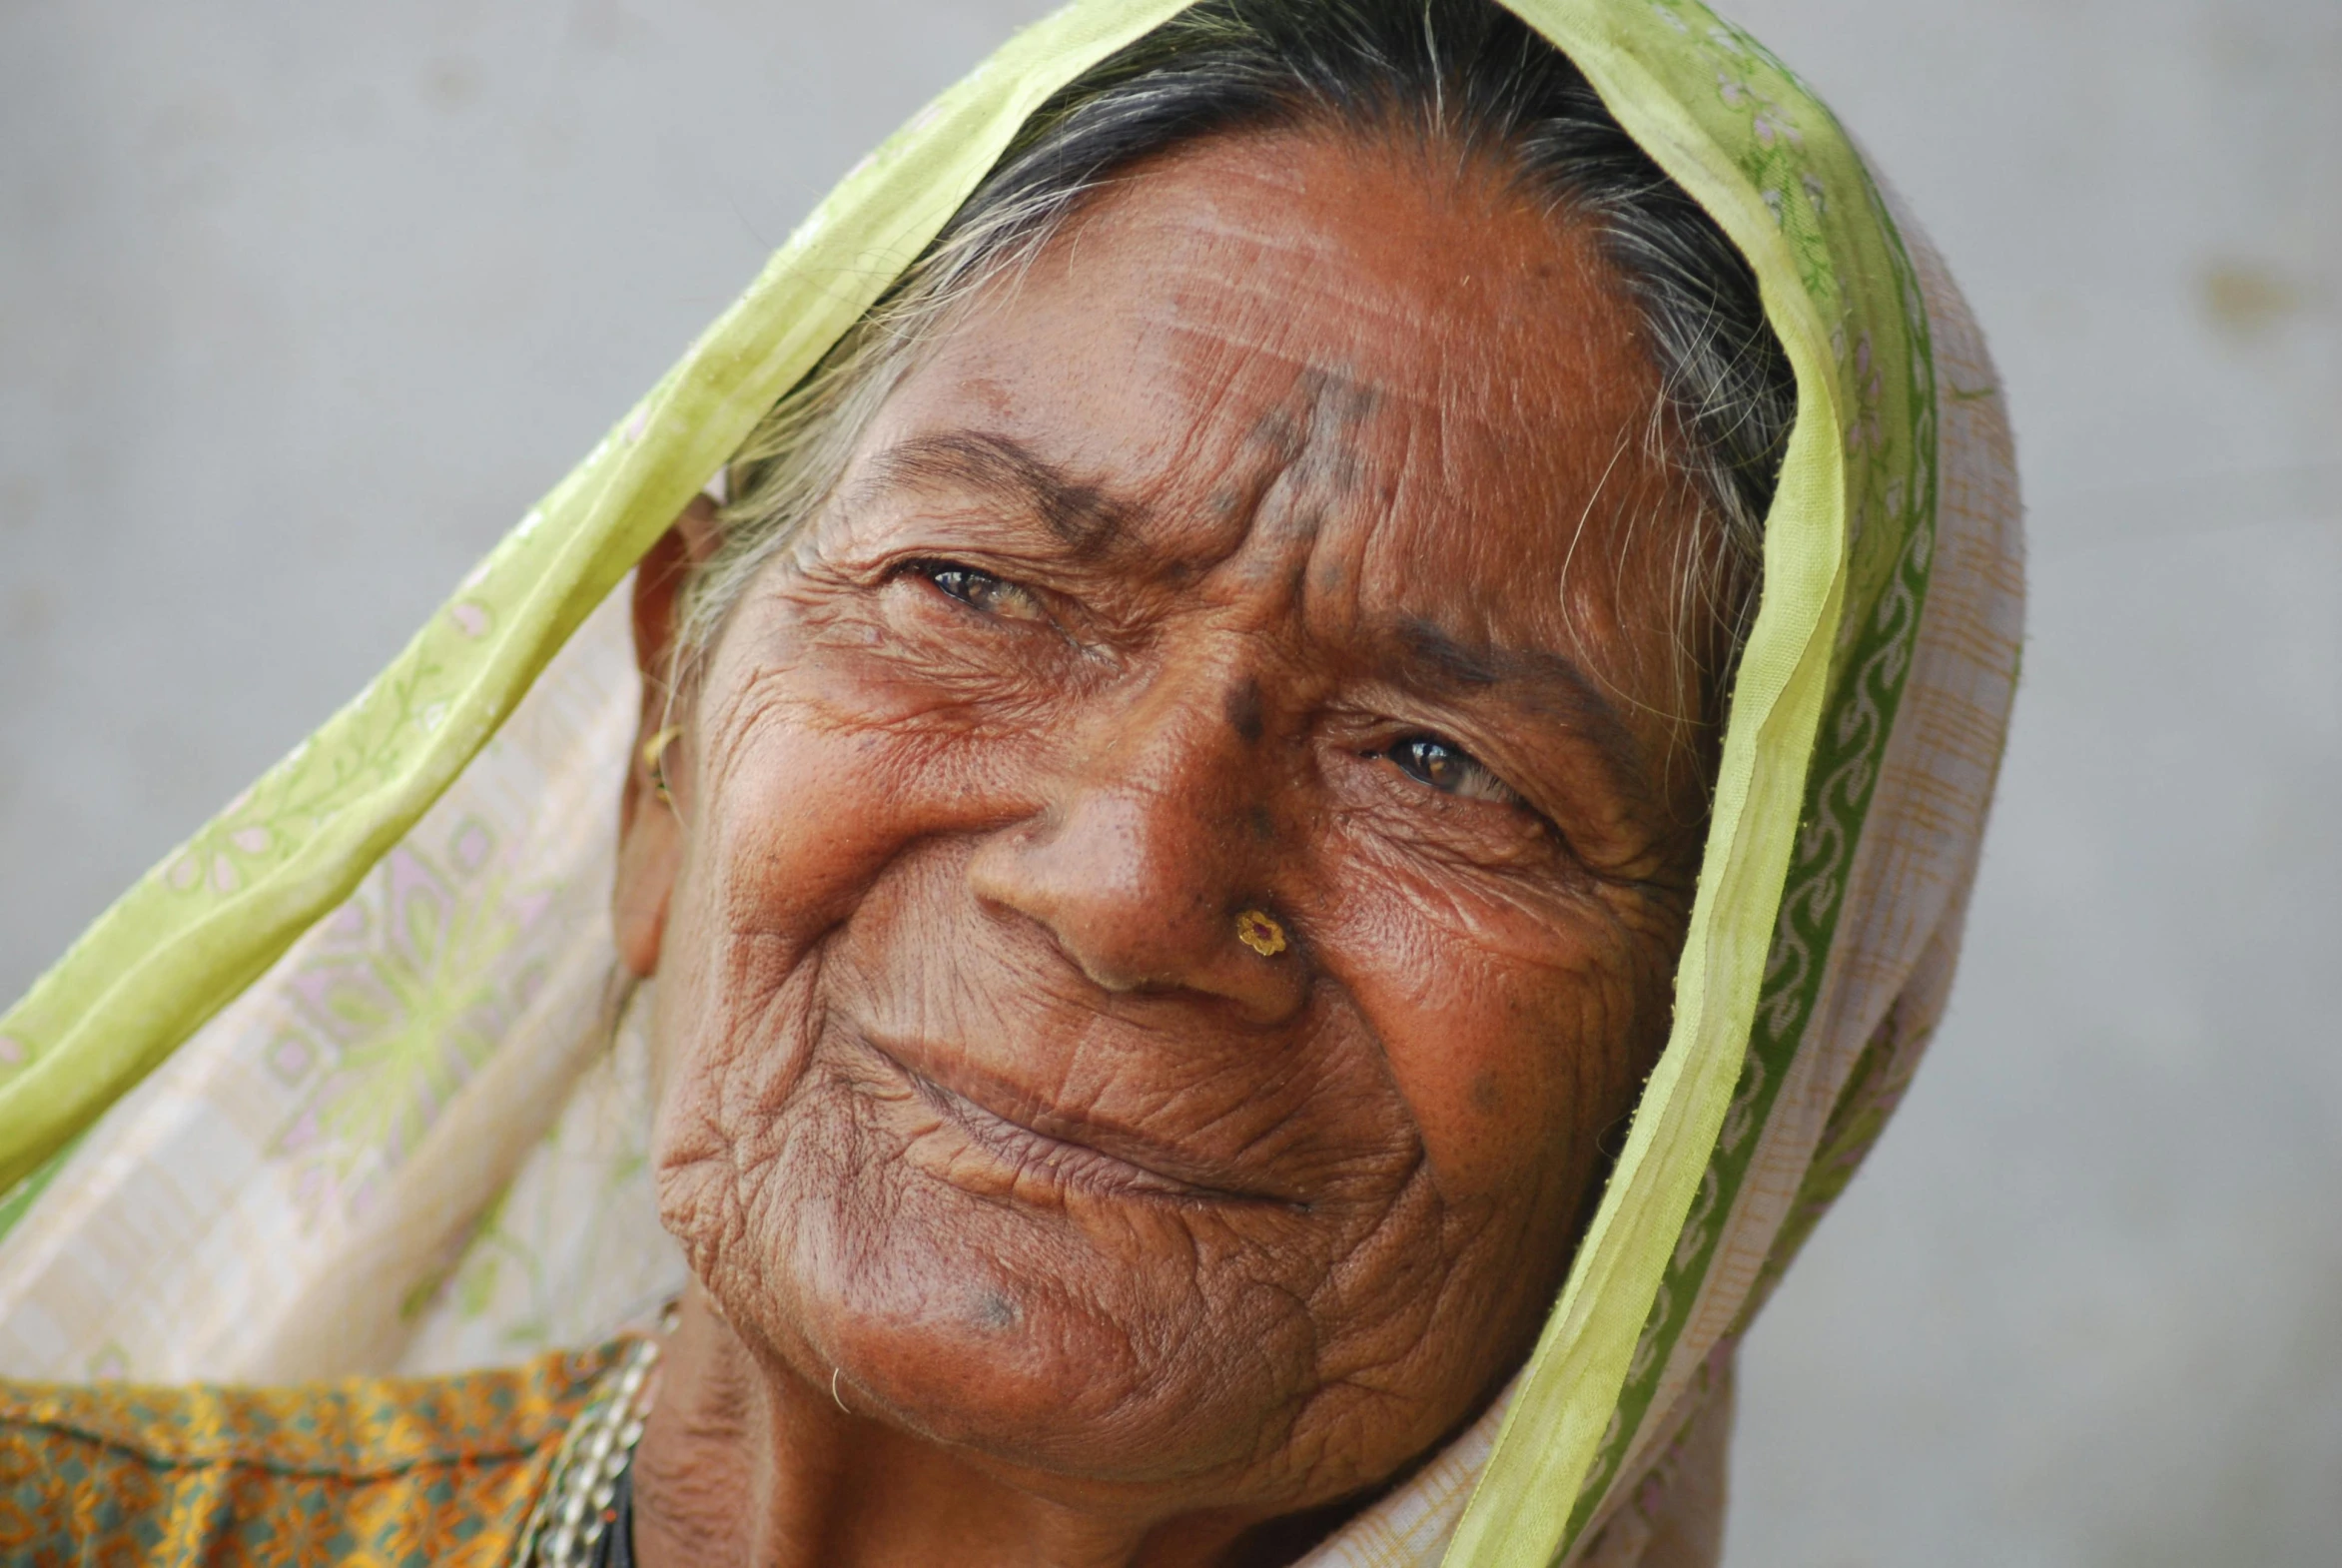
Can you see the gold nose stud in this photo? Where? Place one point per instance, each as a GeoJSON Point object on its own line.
{"type": "Point", "coordinates": [1262, 934]}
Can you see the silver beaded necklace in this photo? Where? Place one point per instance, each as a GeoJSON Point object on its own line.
{"type": "Point", "coordinates": [574, 1509]}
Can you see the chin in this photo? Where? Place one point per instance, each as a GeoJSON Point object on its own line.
{"type": "Point", "coordinates": [1071, 1340]}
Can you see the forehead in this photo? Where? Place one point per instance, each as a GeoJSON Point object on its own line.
{"type": "Point", "coordinates": [1388, 344]}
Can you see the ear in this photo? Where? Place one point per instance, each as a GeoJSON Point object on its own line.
{"type": "Point", "coordinates": [650, 829]}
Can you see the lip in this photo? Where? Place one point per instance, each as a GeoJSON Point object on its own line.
{"type": "Point", "coordinates": [1022, 1131]}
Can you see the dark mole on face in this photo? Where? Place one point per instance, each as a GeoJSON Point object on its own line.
{"type": "Point", "coordinates": [1242, 707]}
{"type": "Point", "coordinates": [995, 1310]}
{"type": "Point", "coordinates": [1326, 404]}
{"type": "Point", "coordinates": [1488, 1094]}
{"type": "Point", "coordinates": [1331, 392]}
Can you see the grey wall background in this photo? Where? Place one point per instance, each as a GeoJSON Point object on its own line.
{"type": "Point", "coordinates": [301, 306]}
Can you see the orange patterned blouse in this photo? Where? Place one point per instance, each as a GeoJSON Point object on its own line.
{"type": "Point", "coordinates": [387, 1472]}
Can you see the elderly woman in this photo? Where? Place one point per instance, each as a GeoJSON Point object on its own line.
{"type": "Point", "coordinates": [1307, 793]}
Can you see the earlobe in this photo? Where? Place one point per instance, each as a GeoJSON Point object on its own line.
{"type": "Point", "coordinates": [649, 853]}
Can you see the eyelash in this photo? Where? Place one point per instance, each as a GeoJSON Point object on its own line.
{"type": "Point", "coordinates": [980, 591]}
{"type": "Point", "coordinates": [1424, 757]}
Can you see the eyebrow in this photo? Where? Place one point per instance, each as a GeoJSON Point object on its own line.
{"type": "Point", "coordinates": [1082, 514]}
{"type": "Point", "coordinates": [1426, 659]}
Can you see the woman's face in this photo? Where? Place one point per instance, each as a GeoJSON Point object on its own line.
{"type": "Point", "coordinates": [1287, 538]}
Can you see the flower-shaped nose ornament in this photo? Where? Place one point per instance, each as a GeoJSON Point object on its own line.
{"type": "Point", "coordinates": [1259, 932]}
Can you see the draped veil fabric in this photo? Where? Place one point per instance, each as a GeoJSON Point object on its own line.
{"type": "Point", "coordinates": [347, 1084]}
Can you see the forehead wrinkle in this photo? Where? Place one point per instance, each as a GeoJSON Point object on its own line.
{"type": "Point", "coordinates": [1362, 437]}
{"type": "Point", "coordinates": [1336, 384]}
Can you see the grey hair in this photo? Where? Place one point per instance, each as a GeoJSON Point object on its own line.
{"type": "Point", "coordinates": [1466, 71]}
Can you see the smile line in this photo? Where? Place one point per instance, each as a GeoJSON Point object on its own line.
{"type": "Point", "coordinates": [1066, 1159]}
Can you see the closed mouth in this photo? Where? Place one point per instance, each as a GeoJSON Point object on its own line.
{"type": "Point", "coordinates": [1074, 1150]}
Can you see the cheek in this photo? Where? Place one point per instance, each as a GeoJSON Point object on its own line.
{"type": "Point", "coordinates": [814, 773]}
{"type": "Point", "coordinates": [788, 822]}
{"type": "Point", "coordinates": [1514, 1030]}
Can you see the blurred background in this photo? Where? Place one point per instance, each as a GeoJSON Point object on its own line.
{"type": "Point", "coordinates": [301, 307]}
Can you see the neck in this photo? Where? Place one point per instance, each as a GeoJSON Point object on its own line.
{"type": "Point", "coordinates": [748, 1464]}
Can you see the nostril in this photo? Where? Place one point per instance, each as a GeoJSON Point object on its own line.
{"type": "Point", "coordinates": [1106, 976]}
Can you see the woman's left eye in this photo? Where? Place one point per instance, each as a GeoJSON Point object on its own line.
{"type": "Point", "coordinates": [980, 591]}
{"type": "Point", "coordinates": [1449, 769]}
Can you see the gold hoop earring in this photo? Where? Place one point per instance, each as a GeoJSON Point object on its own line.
{"type": "Point", "coordinates": [1259, 932]}
{"type": "Point", "coordinates": [654, 761]}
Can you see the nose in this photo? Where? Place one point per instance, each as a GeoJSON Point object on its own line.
{"type": "Point", "coordinates": [1159, 832]}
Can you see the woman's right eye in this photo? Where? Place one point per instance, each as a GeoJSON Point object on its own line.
{"type": "Point", "coordinates": [982, 592]}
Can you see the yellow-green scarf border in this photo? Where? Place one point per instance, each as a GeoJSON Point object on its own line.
{"type": "Point", "coordinates": [1849, 522]}
{"type": "Point", "coordinates": [1726, 122]}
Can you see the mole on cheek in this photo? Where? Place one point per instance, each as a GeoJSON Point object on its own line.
{"type": "Point", "coordinates": [1488, 1094]}
{"type": "Point", "coordinates": [995, 1310]}
{"type": "Point", "coordinates": [1242, 707]}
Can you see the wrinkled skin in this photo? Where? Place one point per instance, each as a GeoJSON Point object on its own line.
{"type": "Point", "coordinates": [1286, 539]}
